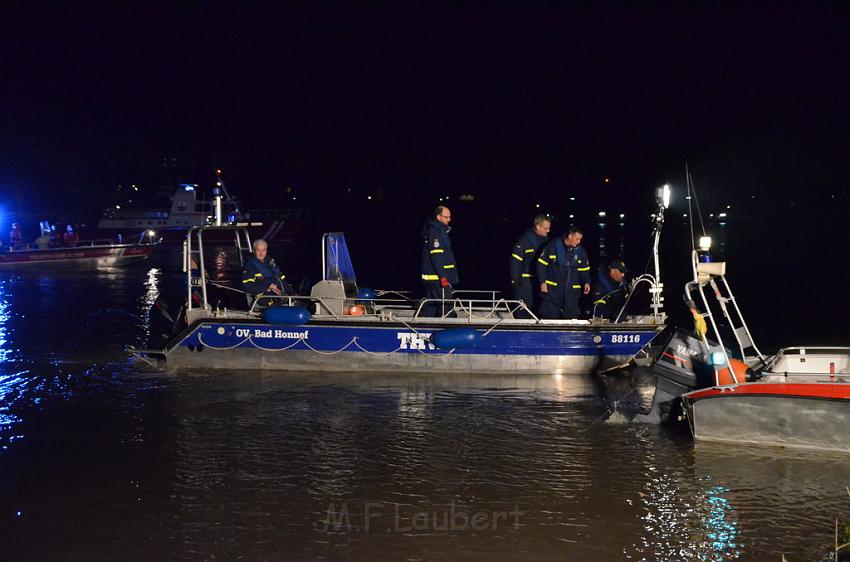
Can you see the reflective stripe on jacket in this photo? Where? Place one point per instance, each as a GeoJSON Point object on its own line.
{"type": "Point", "coordinates": [608, 297]}
{"type": "Point", "coordinates": [258, 275]}
{"type": "Point", "coordinates": [562, 266]}
{"type": "Point", "coordinates": [524, 255]}
{"type": "Point", "coordinates": [438, 260]}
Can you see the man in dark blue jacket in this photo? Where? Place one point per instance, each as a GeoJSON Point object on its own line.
{"type": "Point", "coordinates": [563, 270]}
{"type": "Point", "coordinates": [609, 291]}
{"type": "Point", "coordinates": [524, 256]}
{"type": "Point", "coordinates": [439, 270]}
{"type": "Point", "coordinates": [261, 275]}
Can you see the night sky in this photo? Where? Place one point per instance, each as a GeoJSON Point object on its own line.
{"type": "Point", "coordinates": [418, 97]}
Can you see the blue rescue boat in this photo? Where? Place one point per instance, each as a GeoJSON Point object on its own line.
{"type": "Point", "coordinates": [342, 327]}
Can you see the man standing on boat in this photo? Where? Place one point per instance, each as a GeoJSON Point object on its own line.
{"type": "Point", "coordinates": [262, 276]}
{"type": "Point", "coordinates": [439, 271]}
{"type": "Point", "coordinates": [523, 260]}
{"type": "Point", "coordinates": [563, 270]}
{"type": "Point", "coordinates": [16, 237]}
{"type": "Point", "coordinates": [609, 291]}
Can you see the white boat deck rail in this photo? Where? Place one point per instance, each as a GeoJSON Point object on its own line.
{"type": "Point", "coordinates": [809, 361]}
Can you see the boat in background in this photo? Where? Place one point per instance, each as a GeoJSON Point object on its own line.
{"type": "Point", "coordinates": [189, 208]}
{"type": "Point", "coordinates": [82, 253]}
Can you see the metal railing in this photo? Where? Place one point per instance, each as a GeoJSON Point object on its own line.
{"type": "Point", "coordinates": [469, 309]}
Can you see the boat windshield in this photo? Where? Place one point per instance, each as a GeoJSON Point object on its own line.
{"type": "Point", "coordinates": [338, 266]}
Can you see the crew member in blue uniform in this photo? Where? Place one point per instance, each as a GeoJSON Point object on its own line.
{"type": "Point", "coordinates": [262, 276]}
{"type": "Point", "coordinates": [609, 291]}
{"type": "Point", "coordinates": [439, 270]}
{"type": "Point", "coordinates": [524, 259]}
{"type": "Point", "coordinates": [563, 270]}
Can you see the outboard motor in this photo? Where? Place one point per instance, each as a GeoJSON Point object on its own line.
{"type": "Point", "coordinates": [649, 388]}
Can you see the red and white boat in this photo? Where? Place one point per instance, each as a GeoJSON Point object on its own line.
{"type": "Point", "coordinates": [799, 397]}
{"type": "Point", "coordinates": [83, 253]}
{"type": "Point", "coordinates": [801, 400]}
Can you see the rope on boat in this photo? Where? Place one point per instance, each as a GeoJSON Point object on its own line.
{"type": "Point", "coordinates": [412, 329]}
{"type": "Point", "coordinates": [340, 350]}
{"type": "Point", "coordinates": [223, 286]}
{"type": "Point", "coordinates": [361, 348]}
{"type": "Point", "coordinates": [493, 327]}
{"type": "Point", "coordinates": [290, 346]}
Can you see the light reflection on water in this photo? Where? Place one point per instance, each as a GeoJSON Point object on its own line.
{"type": "Point", "coordinates": [152, 465]}
{"type": "Point", "coordinates": [9, 391]}
{"type": "Point", "coordinates": [151, 284]}
{"type": "Point", "coordinates": [4, 320]}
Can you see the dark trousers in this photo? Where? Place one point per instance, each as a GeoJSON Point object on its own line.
{"type": "Point", "coordinates": [524, 291]}
{"type": "Point", "coordinates": [560, 303]}
{"type": "Point", "coordinates": [433, 290]}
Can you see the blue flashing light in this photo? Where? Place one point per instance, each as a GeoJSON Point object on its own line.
{"type": "Point", "coordinates": [718, 358]}
{"type": "Point", "coordinates": [187, 187]}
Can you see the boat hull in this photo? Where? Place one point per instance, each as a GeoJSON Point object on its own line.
{"type": "Point", "coordinates": [798, 415]}
{"type": "Point", "coordinates": [88, 255]}
{"type": "Point", "coordinates": [397, 347]}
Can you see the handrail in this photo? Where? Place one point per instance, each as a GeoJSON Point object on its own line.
{"type": "Point", "coordinates": [827, 377]}
{"type": "Point", "coordinates": [645, 278]}
{"type": "Point", "coordinates": [468, 306]}
{"type": "Point", "coordinates": [814, 348]}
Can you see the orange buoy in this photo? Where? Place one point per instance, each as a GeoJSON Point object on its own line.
{"type": "Point", "coordinates": [724, 376]}
{"type": "Point", "coordinates": [356, 310]}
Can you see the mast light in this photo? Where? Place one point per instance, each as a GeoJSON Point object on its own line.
{"type": "Point", "coordinates": [662, 196]}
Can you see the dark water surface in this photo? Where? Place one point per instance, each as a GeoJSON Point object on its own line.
{"type": "Point", "coordinates": [105, 460]}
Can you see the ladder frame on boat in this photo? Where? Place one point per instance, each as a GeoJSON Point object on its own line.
{"type": "Point", "coordinates": [707, 274]}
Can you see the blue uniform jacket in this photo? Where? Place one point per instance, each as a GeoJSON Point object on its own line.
{"type": "Point", "coordinates": [524, 255]}
{"type": "Point", "coordinates": [562, 267]}
{"type": "Point", "coordinates": [258, 275]}
{"type": "Point", "coordinates": [608, 297]}
{"type": "Point", "coordinates": [438, 260]}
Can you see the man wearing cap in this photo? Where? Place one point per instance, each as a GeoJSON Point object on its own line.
{"type": "Point", "coordinates": [609, 291]}
{"type": "Point", "coordinates": [523, 259]}
{"type": "Point", "coordinates": [563, 271]}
